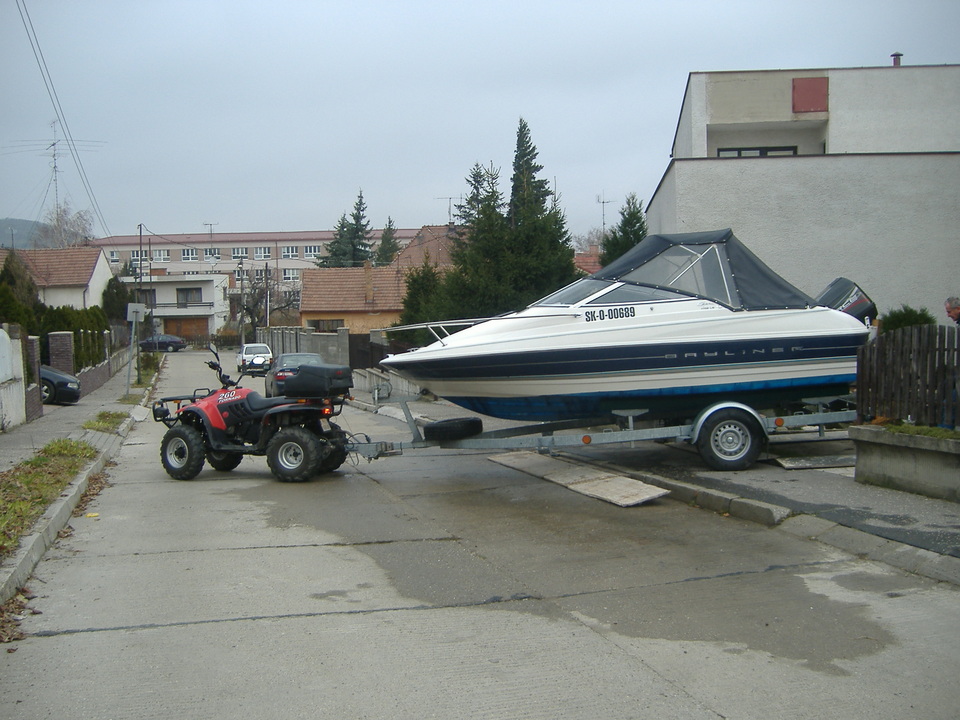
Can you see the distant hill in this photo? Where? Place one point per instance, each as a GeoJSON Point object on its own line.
{"type": "Point", "coordinates": [25, 233]}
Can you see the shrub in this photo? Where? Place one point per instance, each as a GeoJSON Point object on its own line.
{"type": "Point", "coordinates": [906, 316]}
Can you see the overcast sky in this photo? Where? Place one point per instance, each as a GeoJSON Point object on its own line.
{"type": "Point", "coordinates": [264, 116]}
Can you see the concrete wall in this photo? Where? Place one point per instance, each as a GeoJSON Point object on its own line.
{"type": "Point", "coordinates": [12, 381]}
{"type": "Point", "coordinates": [332, 347]}
{"type": "Point", "coordinates": [888, 222]}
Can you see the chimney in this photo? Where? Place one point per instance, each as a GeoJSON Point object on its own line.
{"type": "Point", "coordinates": [368, 282]}
{"type": "Point", "coordinates": [896, 58]}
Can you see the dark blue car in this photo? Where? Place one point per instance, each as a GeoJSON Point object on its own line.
{"type": "Point", "coordinates": [57, 386]}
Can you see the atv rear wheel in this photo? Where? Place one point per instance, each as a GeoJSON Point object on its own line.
{"type": "Point", "coordinates": [293, 454]}
{"type": "Point", "coordinates": [182, 452]}
{"type": "Point", "coordinates": [223, 461]}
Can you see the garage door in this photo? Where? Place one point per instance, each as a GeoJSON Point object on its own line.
{"type": "Point", "coordinates": [190, 329]}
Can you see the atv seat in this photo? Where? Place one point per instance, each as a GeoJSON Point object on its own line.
{"type": "Point", "coordinates": [259, 402]}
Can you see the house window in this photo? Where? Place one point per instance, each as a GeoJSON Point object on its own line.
{"type": "Point", "coordinates": [325, 325]}
{"type": "Point", "coordinates": [188, 296]}
{"type": "Point", "coordinates": [135, 258]}
{"type": "Point", "coordinates": [261, 253]}
{"type": "Point", "coordinates": [210, 254]}
{"type": "Point", "coordinates": [114, 256]}
{"type": "Point", "coordinates": [188, 255]}
{"type": "Point", "coordinates": [259, 273]}
{"type": "Point", "coordinates": [161, 256]}
{"type": "Point", "coordinates": [756, 151]}
{"type": "Point", "coordinates": [312, 251]}
{"type": "Point", "coordinates": [291, 274]}
{"type": "Point", "coordinates": [147, 297]}
{"type": "Point", "coordinates": [239, 253]}
{"type": "Point", "coordinates": [290, 252]}
{"type": "Point", "coordinates": [239, 275]}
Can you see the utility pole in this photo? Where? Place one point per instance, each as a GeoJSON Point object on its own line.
{"type": "Point", "coordinates": [242, 302]}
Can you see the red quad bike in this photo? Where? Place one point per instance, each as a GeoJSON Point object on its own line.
{"type": "Point", "coordinates": [221, 426]}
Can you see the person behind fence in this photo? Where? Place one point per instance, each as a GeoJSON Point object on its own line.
{"type": "Point", "coordinates": [952, 306]}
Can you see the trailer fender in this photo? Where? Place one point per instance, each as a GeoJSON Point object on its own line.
{"type": "Point", "coordinates": [706, 413]}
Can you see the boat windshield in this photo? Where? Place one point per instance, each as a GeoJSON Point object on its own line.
{"type": "Point", "coordinates": [575, 292]}
{"type": "Point", "coordinates": [689, 269]}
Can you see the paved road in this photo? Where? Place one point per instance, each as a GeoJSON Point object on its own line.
{"type": "Point", "coordinates": [447, 586]}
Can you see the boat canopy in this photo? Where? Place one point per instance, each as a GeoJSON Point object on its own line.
{"type": "Point", "coordinates": [713, 265]}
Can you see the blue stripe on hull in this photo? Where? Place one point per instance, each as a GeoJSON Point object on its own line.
{"type": "Point", "coordinates": [665, 402]}
{"type": "Point", "coordinates": [620, 359]}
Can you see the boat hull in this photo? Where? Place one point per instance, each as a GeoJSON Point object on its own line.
{"type": "Point", "coordinates": [666, 379]}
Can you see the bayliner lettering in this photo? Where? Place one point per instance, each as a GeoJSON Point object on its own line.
{"type": "Point", "coordinates": [733, 353]}
{"type": "Point", "coordinates": [616, 313]}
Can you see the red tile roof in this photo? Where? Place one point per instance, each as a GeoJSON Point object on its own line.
{"type": "Point", "coordinates": [366, 289]}
{"type": "Point", "coordinates": [435, 240]}
{"type": "Point", "coordinates": [588, 262]}
{"type": "Point", "coordinates": [61, 267]}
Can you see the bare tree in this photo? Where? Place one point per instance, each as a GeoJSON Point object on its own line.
{"type": "Point", "coordinates": [61, 227]}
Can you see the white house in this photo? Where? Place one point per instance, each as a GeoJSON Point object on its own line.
{"type": "Point", "coordinates": [191, 306]}
{"type": "Point", "coordinates": [823, 173]}
{"type": "Point", "coordinates": [73, 276]}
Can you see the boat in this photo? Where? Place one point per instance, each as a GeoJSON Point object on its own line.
{"type": "Point", "coordinates": [678, 322]}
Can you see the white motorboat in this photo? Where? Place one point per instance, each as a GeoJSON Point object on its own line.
{"type": "Point", "coordinates": [678, 322]}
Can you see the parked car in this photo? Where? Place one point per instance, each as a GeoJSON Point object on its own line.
{"type": "Point", "coordinates": [57, 386]}
{"type": "Point", "coordinates": [251, 350]}
{"type": "Point", "coordinates": [169, 343]}
{"type": "Point", "coordinates": [287, 366]}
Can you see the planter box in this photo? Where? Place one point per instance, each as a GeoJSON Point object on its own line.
{"type": "Point", "coordinates": [922, 465]}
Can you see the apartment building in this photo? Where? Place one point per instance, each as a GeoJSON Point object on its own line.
{"type": "Point", "coordinates": [826, 172]}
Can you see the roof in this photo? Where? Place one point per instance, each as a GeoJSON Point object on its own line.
{"type": "Point", "coordinates": [433, 240]}
{"type": "Point", "coordinates": [588, 262]}
{"type": "Point", "coordinates": [61, 267]}
{"type": "Point", "coordinates": [367, 289]}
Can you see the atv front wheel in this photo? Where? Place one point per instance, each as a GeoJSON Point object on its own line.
{"type": "Point", "coordinates": [293, 454]}
{"type": "Point", "coordinates": [223, 461]}
{"type": "Point", "coordinates": [182, 452]}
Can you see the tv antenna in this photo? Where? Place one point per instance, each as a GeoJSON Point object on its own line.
{"type": "Point", "coordinates": [450, 200]}
{"type": "Point", "coordinates": [603, 202]}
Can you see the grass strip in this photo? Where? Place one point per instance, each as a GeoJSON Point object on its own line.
{"type": "Point", "coordinates": [27, 489]}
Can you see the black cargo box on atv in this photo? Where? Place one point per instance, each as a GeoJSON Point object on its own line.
{"type": "Point", "coordinates": [318, 381]}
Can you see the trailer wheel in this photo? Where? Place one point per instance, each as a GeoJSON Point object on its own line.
{"type": "Point", "coordinates": [293, 454]}
{"type": "Point", "coordinates": [182, 452]}
{"type": "Point", "coordinates": [453, 429]}
{"type": "Point", "coordinates": [730, 440]}
{"type": "Point", "coordinates": [223, 461]}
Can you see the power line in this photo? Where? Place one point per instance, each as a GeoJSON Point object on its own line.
{"type": "Point", "coordinates": [55, 100]}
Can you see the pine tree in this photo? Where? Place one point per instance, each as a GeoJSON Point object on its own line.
{"type": "Point", "coordinates": [350, 246]}
{"type": "Point", "coordinates": [389, 247]}
{"type": "Point", "coordinates": [631, 229]}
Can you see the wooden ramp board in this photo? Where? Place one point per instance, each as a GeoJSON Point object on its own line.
{"type": "Point", "coordinates": [816, 462]}
{"type": "Point", "coordinates": [586, 480]}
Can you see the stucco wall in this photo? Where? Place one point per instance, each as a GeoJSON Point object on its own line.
{"type": "Point", "coordinates": [888, 222]}
{"type": "Point", "coordinates": [891, 109]}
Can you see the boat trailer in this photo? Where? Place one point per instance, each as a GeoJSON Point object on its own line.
{"type": "Point", "coordinates": [728, 435]}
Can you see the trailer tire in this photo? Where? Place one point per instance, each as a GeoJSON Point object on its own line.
{"type": "Point", "coordinates": [453, 429]}
{"type": "Point", "coordinates": [730, 439]}
{"type": "Point", "coordinates": [182, 452]}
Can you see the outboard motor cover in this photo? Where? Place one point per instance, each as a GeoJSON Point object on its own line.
{"type": "Point", "coordinates": [845, 295]}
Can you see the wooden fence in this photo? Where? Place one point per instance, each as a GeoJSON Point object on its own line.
{"type": "Point", "coordinates": [912, 373]}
